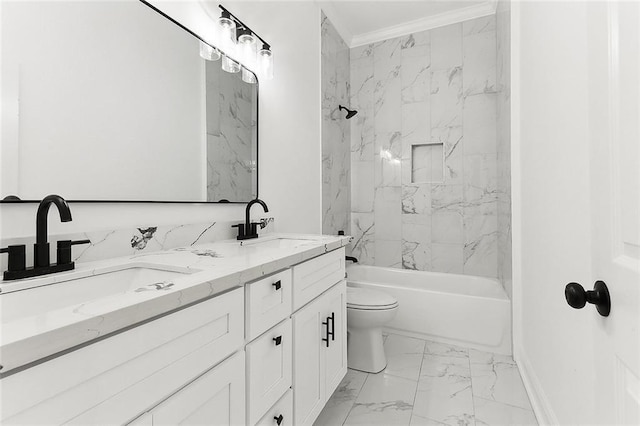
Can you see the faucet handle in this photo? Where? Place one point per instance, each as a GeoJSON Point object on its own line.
{"type": "Point", "coordinates": [17, 257]}
{"type": "Point", "coordinates": [240, 227]}
{"type": "Point", "coordinates": [64, 250]}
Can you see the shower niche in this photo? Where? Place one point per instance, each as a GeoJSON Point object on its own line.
{"type": "Point", "coordinates": [427, 163]}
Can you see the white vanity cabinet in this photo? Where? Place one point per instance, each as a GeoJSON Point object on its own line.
{"type": "Point", "coordinates": [320, 352]}
{"type": "Point", "coordinates": [114, 380]}
{"type": "Point", "coordinates": [310, 356]}
{"type": "Point", "coordinates": [268, 353]}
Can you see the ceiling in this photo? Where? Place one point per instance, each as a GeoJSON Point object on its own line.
{"type": "Point", "coordinates": [366, 21]}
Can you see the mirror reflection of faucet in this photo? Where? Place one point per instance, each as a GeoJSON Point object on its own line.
{"type": "Point", "coordinates": [41, 259]}
{"type": "Point", "coordinates": [248, 229]}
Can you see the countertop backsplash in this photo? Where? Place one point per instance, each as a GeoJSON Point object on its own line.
{"type": "Point", "coordinates": [143, 239]}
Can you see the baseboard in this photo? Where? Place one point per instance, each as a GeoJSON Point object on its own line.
{"type": "Point", "coordinates": [539, 401]}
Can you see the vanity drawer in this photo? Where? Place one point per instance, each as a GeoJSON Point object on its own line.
{"type": "Point", "coordinates": [282, 411]}
{"type": "Point", "coordinates": [269, 369]}
{"type": "Point", "coordinates": [268, 302]}
{"type": "Point", "coordinates": [113, 380]}
{"type": "Point", "coordinates": [313, 277]}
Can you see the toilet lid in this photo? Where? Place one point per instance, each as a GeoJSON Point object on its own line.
{"type": "Point", "coordinates": [364, 298]}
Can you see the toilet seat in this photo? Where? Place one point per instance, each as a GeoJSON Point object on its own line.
{"type": "Point", "coordinates": [370, 300]}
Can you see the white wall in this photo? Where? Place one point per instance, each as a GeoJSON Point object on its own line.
{"type": "Point", "coordinates": [550, 165]}
{"type": "Point", "coordinates": [290, 161]}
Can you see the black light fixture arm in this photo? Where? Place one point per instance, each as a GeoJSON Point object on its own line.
{"type": "Point", "coordinates": [241, 24]}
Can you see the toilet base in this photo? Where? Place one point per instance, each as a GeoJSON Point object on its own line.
{"type": "Point", "coordinates": [365, 350]}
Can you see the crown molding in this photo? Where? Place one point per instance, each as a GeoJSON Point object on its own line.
{"type": "Point", "coordinates": [336, 20]}
{"type": "Point", "coordinates": [422, 24]}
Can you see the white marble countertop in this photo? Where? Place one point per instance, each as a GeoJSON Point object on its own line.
{"type": "Point", "coordinates": [217, 267]}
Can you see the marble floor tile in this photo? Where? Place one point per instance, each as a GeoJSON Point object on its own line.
{"type": "Point", "coordinates": [449, 385]}
{"type": "Point", "coordinates": [444, 393]}
{"type": "Point", "coordinates": [404, 356]}
{"type": "Point", "coordinates": [337, 409]}
{"type": "Point", "coordinates": [496, 378]}
{"type": "Point", "coordinates": [384, 399]}
{"type": "Point", "coordinates": [493, 413]}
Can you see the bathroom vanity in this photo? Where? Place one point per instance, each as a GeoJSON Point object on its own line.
{"type": "Point", "coordinates": [221, 333]}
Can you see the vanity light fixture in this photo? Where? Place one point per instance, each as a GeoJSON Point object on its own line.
{"type": "Point", "coordinates": [228, 30]}
{"type": "Point", "coordinates": [265, 62]}
{"type": "Point", "coordinates": [239, 43]}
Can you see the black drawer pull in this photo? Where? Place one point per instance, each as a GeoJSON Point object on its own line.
{"type": "Point", "coordinates": [333, 326]}
{"type": "Point", "coordinates": [329, 332]}
{"type": "Point", "coordinates": [279, 419]}
{"type": "Point", "coordinates": [278, 340]}
{"type": "Point", "coordinates": [277, 285]}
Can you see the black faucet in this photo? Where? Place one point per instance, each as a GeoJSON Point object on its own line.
{"type": "Point", "coordinates": [41, 247]}
{"type": "Point", "coordinates": [41, 259]}
{"type": "Point", "coordinates": [248, 230]}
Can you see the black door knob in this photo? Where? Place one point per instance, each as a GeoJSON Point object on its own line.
{"type": "Point", "coordinates": [279, 419]}
{"type": "Point", "coordinates": [577, 297]}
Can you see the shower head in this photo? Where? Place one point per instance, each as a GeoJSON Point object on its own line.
{"type": "Point", "coordinates": [350, 113]}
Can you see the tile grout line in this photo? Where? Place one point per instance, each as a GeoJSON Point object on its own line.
{"type": "Point", "coordinates": [415, 395]}
{"type": "Point", "coordinates": [473, 395]}
{"type": "Point", "coordinates": [503, 403]}
{"type": "Point", "coordinates": [356, 398]}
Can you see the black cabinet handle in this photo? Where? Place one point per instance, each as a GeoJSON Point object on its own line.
{"type": "Point", "coordinates": [577, 297]}
{"type": "Point", "coordinates": [333, 326]}
{"type": "Point", "coordinates": [279, 419]}
{"type": "Point", "coordinates": [278, 340]}
{"type": "Point", "coordinates": [277, 285]}
{"type": "Point", "coordinates": [326, 323]}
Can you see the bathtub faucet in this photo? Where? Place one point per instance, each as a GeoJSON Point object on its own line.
{"type": "Point", "coordinates": [351, 258]}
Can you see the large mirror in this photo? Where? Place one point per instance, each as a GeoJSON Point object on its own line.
{"type": "Point", "coordinates": [111, 101]}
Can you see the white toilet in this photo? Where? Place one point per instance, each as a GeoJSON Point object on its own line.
{"type": "Point", "coordinates": [367, 312]}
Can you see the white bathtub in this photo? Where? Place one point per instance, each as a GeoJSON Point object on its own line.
{"type": "Point", "coordinates": [462, 310]}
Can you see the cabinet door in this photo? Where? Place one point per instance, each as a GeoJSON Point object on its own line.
{"type": "Point", "coordinates": [268, 369]}
{"type": "Point", "coordinates": [215, 398]}
{"type": "Point", "coordinates": [308, 387]}
{"type": "Point", "coordinates": [335, 356]}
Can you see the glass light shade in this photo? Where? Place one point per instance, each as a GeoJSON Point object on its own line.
{"type": "Point", "coordinates": [229, 65]}
{"type": "Point", "coordinates": [247, 49]}
{"type": "Point", "coordinates": [209, 53]}
{"type": "Point", "coordinates": [228, 34]}
{"type": "Point", "coordinates": [265, 64]}
{"type": "Point", "coordinates": [248, 76]}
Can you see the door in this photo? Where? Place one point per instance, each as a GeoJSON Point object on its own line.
{"type": "Point", "coordinates": [308, 388]}
{"type": "Point", "coordinates": [335, 355]}
{"type": "Point", "coordinates": [614, 127]}
{"type": "Point", "coordinates": [575, 207]}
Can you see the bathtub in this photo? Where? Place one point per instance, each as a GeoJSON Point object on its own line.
{"type": "Point", "coordinates": [462, 310]}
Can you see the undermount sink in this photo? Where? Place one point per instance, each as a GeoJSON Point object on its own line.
{"type": "Point", "coordinates": [280, 243]}
{"type": "Point", "coordinates": [77, 290]}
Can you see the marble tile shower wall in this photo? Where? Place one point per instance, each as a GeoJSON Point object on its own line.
{"type": "Point", "coordinates": [433, 87]}
{"type": "Point", "coordinates": [335, 132]}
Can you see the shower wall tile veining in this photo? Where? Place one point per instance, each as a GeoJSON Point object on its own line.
{"type": "Point", "coordinates": [432, 208]}
{"type": "Point", "coordinates": [336, 137]}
